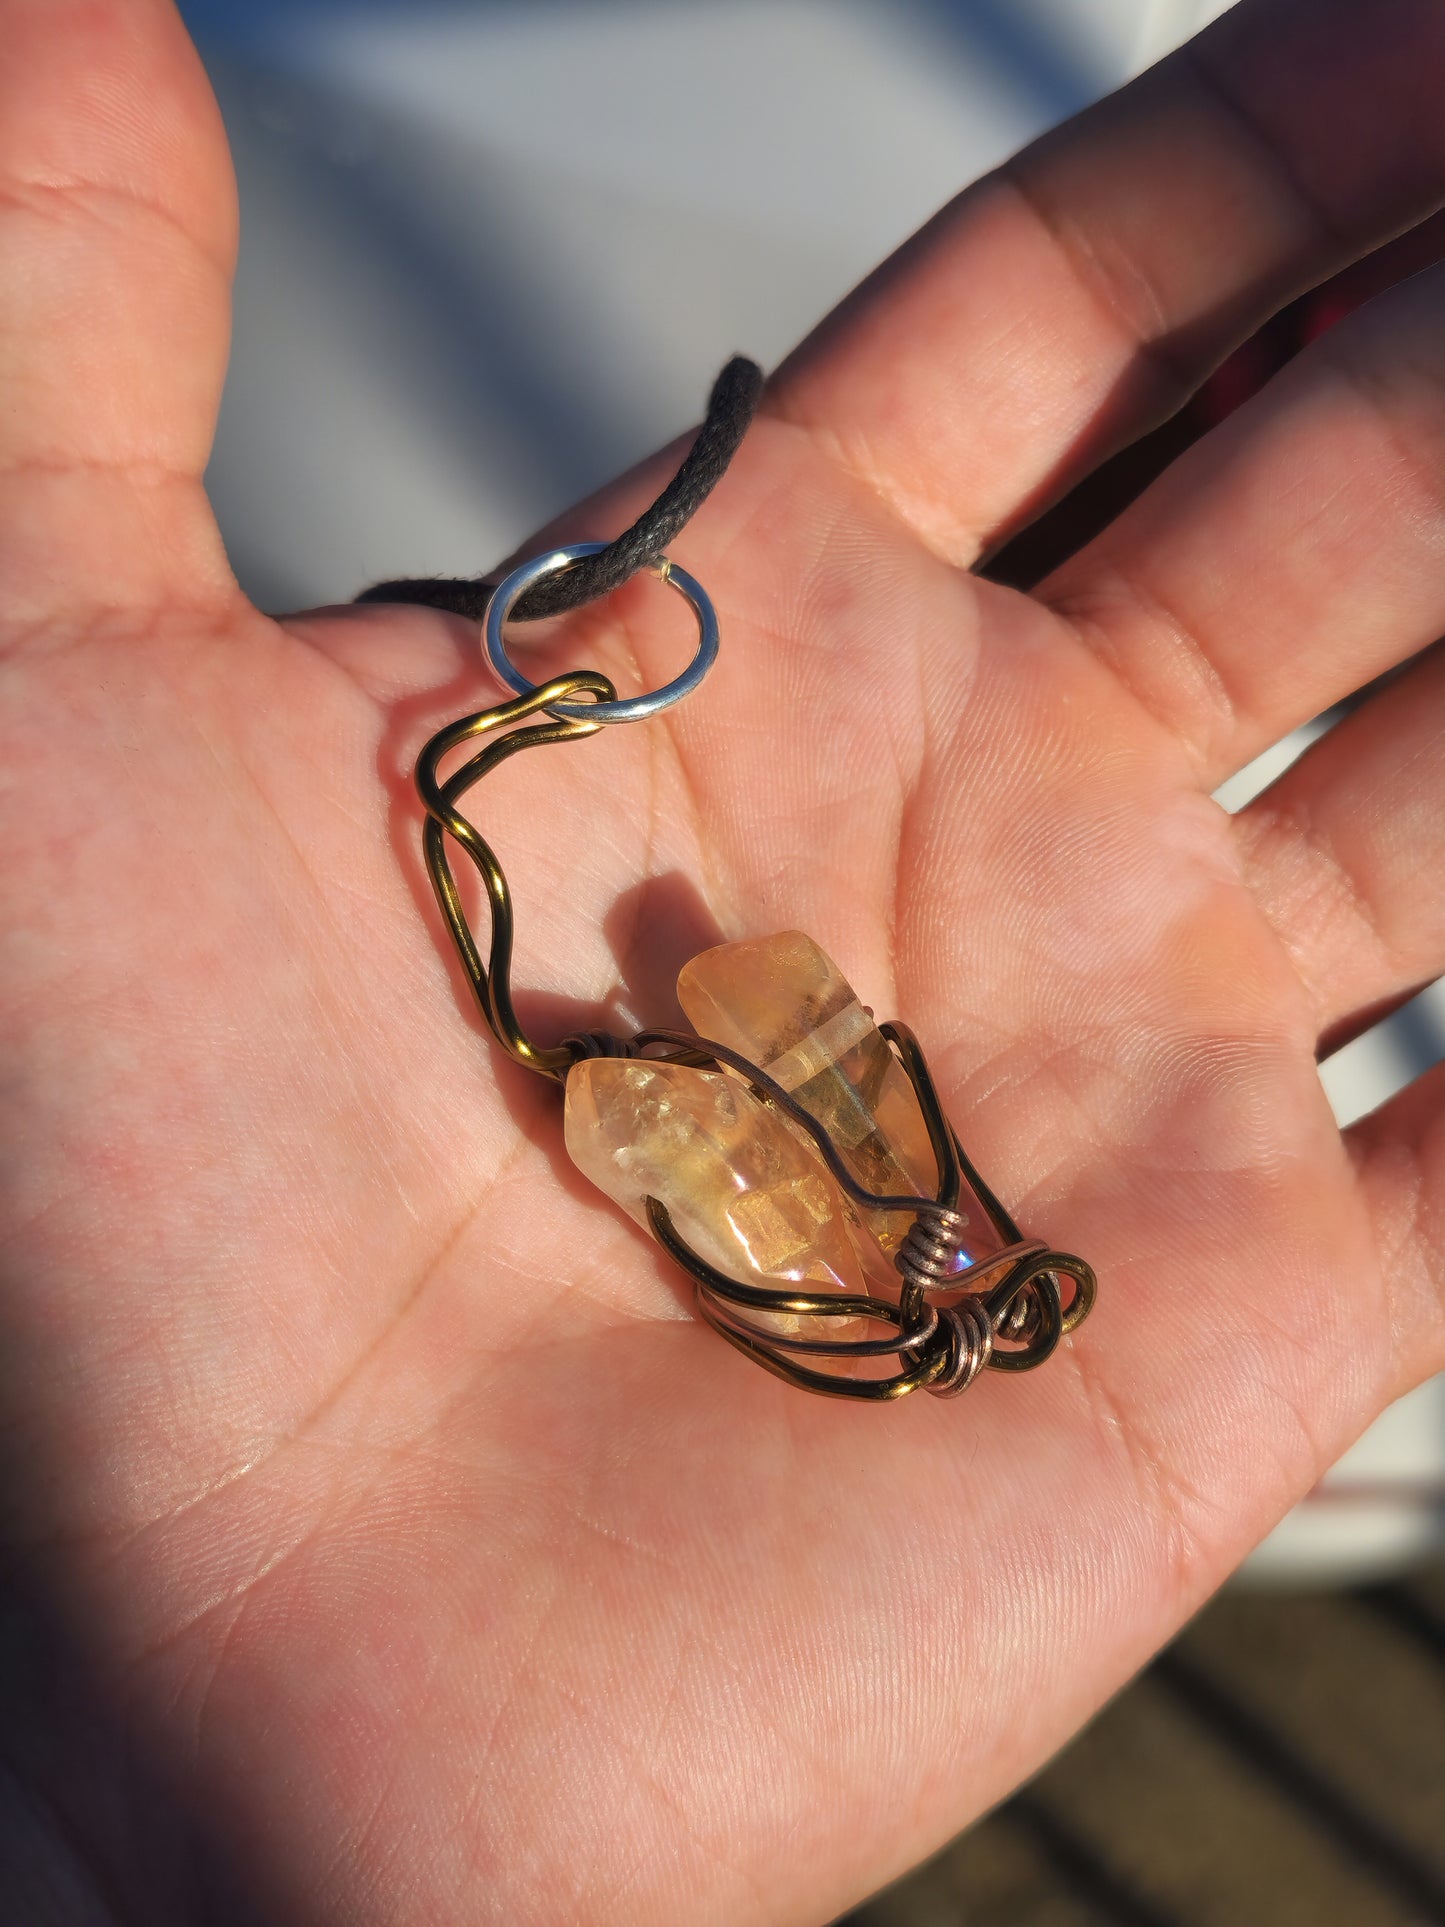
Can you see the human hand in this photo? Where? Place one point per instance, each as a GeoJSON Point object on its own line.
{"type": "Point", "coordinates": [402, 1522]}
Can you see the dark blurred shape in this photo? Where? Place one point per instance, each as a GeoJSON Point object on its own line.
{"type": "Point", "coordinates": [1283, 1764]}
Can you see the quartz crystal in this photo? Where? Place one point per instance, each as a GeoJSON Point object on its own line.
{"type": "Point", "coordinates": [787, 1008]}
{"type": "Point", "coordinates": [740, 1188]}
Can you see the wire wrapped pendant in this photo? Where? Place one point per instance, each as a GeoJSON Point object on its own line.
{"type": "Point", "coordinates": [789, 1154]}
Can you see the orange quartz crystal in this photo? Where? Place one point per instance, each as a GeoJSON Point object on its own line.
{"type": "Point", "coordinates": [741, 1189]}
{"type": "Point", "coordinates": [785, 1005]}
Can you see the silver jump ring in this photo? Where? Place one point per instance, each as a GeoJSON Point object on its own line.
{"type": "Point", "coordinates": [509, 592]}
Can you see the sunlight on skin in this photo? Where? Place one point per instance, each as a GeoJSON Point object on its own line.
{"type": "Point", "coordinates": [375, 1465]}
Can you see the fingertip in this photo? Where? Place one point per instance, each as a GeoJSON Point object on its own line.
{"type": "Point", "coordinates": [111, 94]}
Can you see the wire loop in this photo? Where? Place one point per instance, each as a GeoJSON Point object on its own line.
{"type": "Point", "coordinates": [634, 709]}
{"type": "Point", "coordinates": [491, 981]}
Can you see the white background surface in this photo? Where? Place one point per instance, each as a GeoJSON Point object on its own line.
{"type": "Point", "coordinates": [494, 252]}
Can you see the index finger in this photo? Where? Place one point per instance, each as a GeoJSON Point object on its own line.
{"type": "Point", "coordinates": [1074, 299]}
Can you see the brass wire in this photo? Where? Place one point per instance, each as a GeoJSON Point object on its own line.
{"type": "Point", "coordinates": [1011, 1324]}
{"type": "Point", "coordinates": [492, 982]}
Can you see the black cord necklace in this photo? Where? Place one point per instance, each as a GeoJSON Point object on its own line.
{"type": "Point", "coordinates": [790, 1154]}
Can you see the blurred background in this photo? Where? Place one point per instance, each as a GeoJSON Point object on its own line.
{"type": "Point", "coordinates": [494, 251]}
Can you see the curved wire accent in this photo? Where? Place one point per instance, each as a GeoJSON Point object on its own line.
{"type": "Point", "coordinates": [492, 981]}
{"type": "Point", "coordinates": [1007, 1311]}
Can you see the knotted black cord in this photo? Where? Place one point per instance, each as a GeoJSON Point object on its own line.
{"type": "Point", "coordinates": [730, 409]}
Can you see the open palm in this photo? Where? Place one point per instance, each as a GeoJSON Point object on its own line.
{"type": "Point", "coordinates": [407, 1527]}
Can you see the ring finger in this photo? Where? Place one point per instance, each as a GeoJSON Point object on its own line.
{"type": "Point", "coordinates": [1346, 850]}
{"type": "Point", "coordinates": [1294, 554]}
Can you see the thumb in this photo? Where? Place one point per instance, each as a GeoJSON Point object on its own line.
{"type": "Point", "coordinates": [117, 231]}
